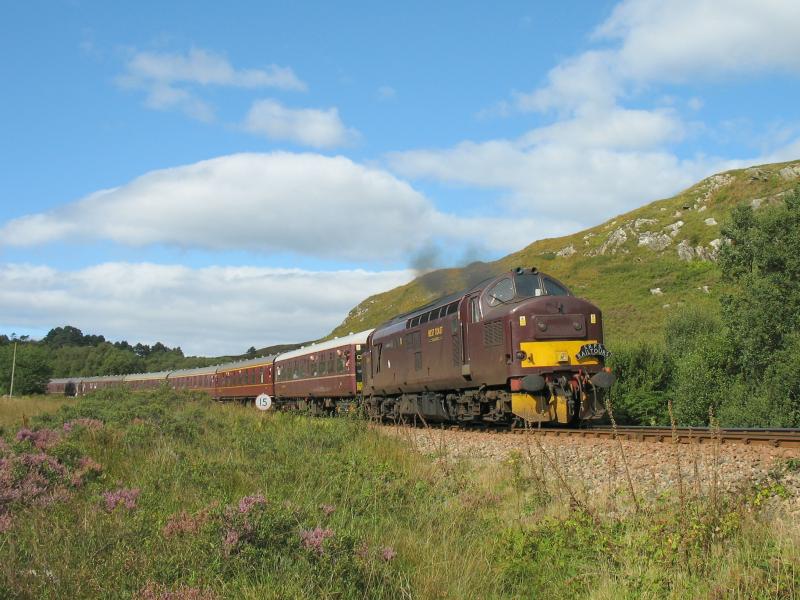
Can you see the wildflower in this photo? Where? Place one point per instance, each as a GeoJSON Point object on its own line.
{"type": "Point", "coordinates": [86, 466]}
{"type": "Point", "coordinates": [248, 502]}
{"type": "Point", "coordinates": [327, 509]}
{"type": "Point", "coordinates": [42, 439]}
{"type": "Point", "coordinates": [388, 553]}
{"type": "Point", "coordinates": [91, 424]}
{"type": "Point", "coordinates": [313, 538]}
{"type": "Point", "coordinates": [58, 494]}
{"type": "Point", "coordinates": [4, 447]}
{"type": "Point", "coordinates": [183, 522]}
{"type": "Point", "coordinates": [230, 540]}
{"type": "Point", "coordinates": [44, 464]}
{"type": "Point", "coordinates": [363, 551]}
{"type": "Point", "coordinates": [122, 496]}
{"type": "Point", "coordinates": [6, 522]}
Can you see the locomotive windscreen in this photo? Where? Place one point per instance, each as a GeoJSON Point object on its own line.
{"type": "Point", "coordinates": [530, 285]}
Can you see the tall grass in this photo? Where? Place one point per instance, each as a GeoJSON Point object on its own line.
{"type": "Point", "coordinates": [186, 497]}
{"type": "Point", "coordinates": [16, 411]}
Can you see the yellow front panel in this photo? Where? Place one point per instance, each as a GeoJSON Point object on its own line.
{"type": "Point", "coordinates": [556, 353]}
{"type": "Point", "coordinates": [529, 407]}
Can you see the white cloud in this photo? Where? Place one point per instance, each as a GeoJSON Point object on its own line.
{"type": "Point", "coordinates": [588, 80]}
{"type": "Point", "coordinates": [167, 79]}
{"type": "Point", "coordinates": [305, 126]}
{"type": "Point", "coordinates": [679, 39]}
{"type": "Point", "coordinates": [675, 42]}
{"type": "Point", "coordinates": [208, 311]}
{"type": "Point", "coordinates": [598, 158]}
{"type": "Point", "coordinates": [207, 68]}
{"type": "Point", "coordinates": [588, 167]}
{"type": "Point", "coordinates": [326, 207]}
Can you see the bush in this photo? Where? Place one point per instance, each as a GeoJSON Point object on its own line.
{"type": "Point", "coordinates": [644, 373]}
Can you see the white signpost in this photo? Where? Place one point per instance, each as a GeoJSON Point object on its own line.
{"type": "Point", "coordinates": [263, 402]}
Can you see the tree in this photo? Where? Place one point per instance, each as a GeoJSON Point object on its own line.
{"type": "Point", "coordinates": [762, 264]}
{"type": "Point", "coordinates": [68, 335]}
{"type": "Point", "coordinates": [251, 352]}
{"type": "Point", "coordinates": [761, 314]}
{"type": "Point", "coordinates": [32, 371]}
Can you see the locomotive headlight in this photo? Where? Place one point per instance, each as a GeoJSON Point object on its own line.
{"type": "Point", "coordinates": [521, 355]}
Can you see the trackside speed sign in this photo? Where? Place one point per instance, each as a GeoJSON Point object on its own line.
{"type": "Point", "coordinates": [263, 402]}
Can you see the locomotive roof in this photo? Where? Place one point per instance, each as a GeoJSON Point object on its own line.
{"type": "Point", "coordinates": [348, 340]}
{"type": "Point", "coordinates": [441, 301]}
{"type": "Point", "coordinates": [66, 379]}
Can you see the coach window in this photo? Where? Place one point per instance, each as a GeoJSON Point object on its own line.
{"type": "Point", "coordinates": [502, 292]}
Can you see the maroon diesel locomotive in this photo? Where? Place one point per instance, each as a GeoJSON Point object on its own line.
{"type": "Point", "coordinates": [517, 346]}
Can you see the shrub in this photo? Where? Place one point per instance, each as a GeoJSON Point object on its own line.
{"type": "Point", "coordinates": [644, 372]}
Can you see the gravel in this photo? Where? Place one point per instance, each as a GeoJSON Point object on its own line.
{"type": "Point", "coordinates": [596, 468]}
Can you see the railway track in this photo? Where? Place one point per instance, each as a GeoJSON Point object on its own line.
{"type": "Point", "coordinates": [776, 438]}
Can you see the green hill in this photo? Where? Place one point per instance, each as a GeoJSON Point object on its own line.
{"type": "Point", "coordinates": [637, 266]}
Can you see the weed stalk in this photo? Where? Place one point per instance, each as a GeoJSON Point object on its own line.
{"type": "Point", "coordinates": [622, 453]}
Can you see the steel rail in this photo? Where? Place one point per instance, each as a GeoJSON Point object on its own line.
{"type": "Point", "coordinates": [777, 438]}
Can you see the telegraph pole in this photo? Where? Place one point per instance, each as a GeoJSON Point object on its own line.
{"type": "Point", "coordinates": [13, 366]}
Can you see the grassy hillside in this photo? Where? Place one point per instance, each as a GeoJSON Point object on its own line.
{"type": "Point", "coordinates": [637, 267]}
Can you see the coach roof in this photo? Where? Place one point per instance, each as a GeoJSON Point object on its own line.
{"type": "Point", "coordinates": [348, 340]}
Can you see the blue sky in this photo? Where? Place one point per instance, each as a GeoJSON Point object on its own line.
{"type": "Point", "coordinates": [220, 175]}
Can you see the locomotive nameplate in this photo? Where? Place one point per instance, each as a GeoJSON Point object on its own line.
{"type": "Point", "coordinates": [592, 350]}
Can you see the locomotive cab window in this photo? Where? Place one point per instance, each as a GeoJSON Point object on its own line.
{"type": "Point", "coordinates": [501, 292]}
{"type": "Point", "coordinates": [553, 288]}
{"type": "Point", "coordinates": [532, 285]}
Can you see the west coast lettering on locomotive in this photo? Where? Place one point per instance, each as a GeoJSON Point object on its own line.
{"type": "Point", "coordinates": [435, 333]}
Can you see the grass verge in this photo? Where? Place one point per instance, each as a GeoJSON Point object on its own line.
{"type": "Point", "coordinates": [169, 495]}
